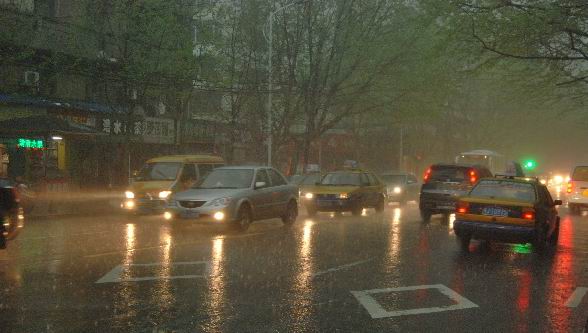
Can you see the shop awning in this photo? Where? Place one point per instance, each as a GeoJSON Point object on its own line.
{"type": "Point", "coordinates": [44, 125]}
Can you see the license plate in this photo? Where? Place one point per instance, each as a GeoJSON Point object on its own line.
{"type": "Point", "coordinates": [495, 211]}
{"type": "Point", "coordinates": [190, 214]}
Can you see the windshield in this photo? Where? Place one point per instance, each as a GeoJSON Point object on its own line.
{"type": "Point", "coordinates": [580, 174]}
{"type": "Point", "coordinates": [159, 171]}
{"type": "Point", "coordinates": [295, 179]}
{"type": "Point", "coordinates": [506, 190]}
{"type": "Point", "coordinates": [342, 179]}
{"type": "Point", "coordinates": [227, 178]}
{"type": "Point", "coordinates": [393, 179]}
{"type": "Point", "coordinates": [449, 173]}
{"type": "Point", "coordinates": [311, 179]}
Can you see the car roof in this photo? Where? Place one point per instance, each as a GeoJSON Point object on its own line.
{"type": "Point", "coordinates": [202, 158]}
{"type": "Point", "coordinates": [510, 179]}
{"type": "Point", "coordinates": [459, 165]}
{"type": "Point", "coordinates": [348, 171]}
{"type": "Point", "coordinates": [241, 167]}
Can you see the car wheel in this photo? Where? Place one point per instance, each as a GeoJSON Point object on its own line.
{"type": "Point", "coordinates": [540, 238]}
{"type": "Point", "coordinates": [291, 213]}
{"type": "Point", "coordinates": [380, 205]}
{"type": "Point", "coordinates": [555, 235]}
{"type": "Point", "coordinates": [464, 242]}
{"type": "Point", "coordinates": [357, 210]}
{"type": "Point", "coordinates": [243, 218]}
{"type": "Point", "coordinates": [426, 215]}
{"type": "Point", "coordinates": [311, 211]}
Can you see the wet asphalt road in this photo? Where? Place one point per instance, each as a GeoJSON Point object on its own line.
{"type": "Point", "coordinates": [375, 273]}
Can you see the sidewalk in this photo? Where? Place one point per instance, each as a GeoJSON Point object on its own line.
{"type": "Point", "coordinates": [76, 203]}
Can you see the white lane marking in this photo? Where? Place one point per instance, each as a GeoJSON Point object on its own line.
{"type": "Point", "coordinates": [338, 268]}
{"type": "Point", "coordinates": [576, 297]}
{"type": "Point", "coordinates": [377, 311]}
{"type": "Point", "coordinates": [115, 275]}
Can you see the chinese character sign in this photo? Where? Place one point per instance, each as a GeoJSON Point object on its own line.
{"type": "Point", "coordinates": [158, 130]}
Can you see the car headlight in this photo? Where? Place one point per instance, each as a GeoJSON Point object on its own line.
{"type": "Point", "coordinates": [164, 194]}
{"type": "Point", "coordinates": [220, 202]}
{"type": "Point", "coordinates": [397, 189]}
{"type": "Point", "coordinates": [343, 196]}
{"type": "Point", "coordinates": [129, 195]}
{"type": "Point", "coordinates": [309, 196]}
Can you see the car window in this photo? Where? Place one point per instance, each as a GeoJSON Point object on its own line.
{"type": "Point", "coordinates": [372, 179]}
{"type": "Point", "coordinates": [205, 169]}
{"type": "Point", "coordinates": [364, 179]}
{"type": "Point", "coordinates": [504, 189]}
{"type": "Point", "coordinates": [277, 178]}
{"type": "Point", "coordinates": [449, 173]}
{"type": "Point", "coordinates": [311, 179]}
{"type": "Point", "coordinates": [545, 196]}
{"type": "Point", "coordinates": [262, 176]}
{"type": "Point", "coordinates": [227, 178]}
{"type": "Point", "coordinates": [342, 179]}
{"type": "Point", "coordinates": [580, 174]}
{"type": "Point", "coordinates": [189, 172]}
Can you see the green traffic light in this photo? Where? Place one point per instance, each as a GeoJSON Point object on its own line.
{"type": "Point", "coordinates": [530, 164]}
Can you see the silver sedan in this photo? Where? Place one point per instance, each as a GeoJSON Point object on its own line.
{"type": "Point", "coordinates": [236, 195]}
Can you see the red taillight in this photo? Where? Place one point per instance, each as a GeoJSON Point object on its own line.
{"type": "Point", "coordinates": [462, 207]}
{"type": "Point", "coordinates": [528, 214]}
{"type": "Point", "coordinates": [473, 176]}
{"type": "Point", "coordinates": [427, 175]}
{"type": "Point", "coordinates": [570, 187]}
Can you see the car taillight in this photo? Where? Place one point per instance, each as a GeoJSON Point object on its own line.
{"type": "Point", "coordinates": [473, 176]}
{"type": "Point", "coordinates": [427, 175]}
{"type": "Point", "coordinates": [463, 207]}
{"type": "Point", "coordinates": [528, 214]}
{"type": "Point", "coordinates": [570, 187]}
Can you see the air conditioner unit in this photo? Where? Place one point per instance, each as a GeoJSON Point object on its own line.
{"type": "Point", "coordinates": [31, 78]}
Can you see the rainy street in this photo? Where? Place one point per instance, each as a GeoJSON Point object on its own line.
{"type": "Point", "coordinates": [378, 272]}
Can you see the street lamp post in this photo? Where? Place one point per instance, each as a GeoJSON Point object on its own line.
{"type": "Point", "coordinates": [269, 81]}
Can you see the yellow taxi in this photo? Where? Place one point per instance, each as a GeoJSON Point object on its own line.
{"type": "Point", "coordinates": [508, 209]}
{"type": "Point", "coordinates": [340, 191]}
{"type": "Point", "coordinates": [162, 176]}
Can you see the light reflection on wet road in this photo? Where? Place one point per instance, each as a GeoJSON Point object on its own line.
{"type": "Point", "coordinates": [275, 278]}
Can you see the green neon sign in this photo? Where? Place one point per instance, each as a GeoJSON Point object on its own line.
{"type": "Point", "coordinates": [30, 143]}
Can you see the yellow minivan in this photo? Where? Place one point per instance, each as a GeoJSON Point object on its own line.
{"type": "Point", "coordinates": [162, 176]}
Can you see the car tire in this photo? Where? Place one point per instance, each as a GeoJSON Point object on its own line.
{"type": "Point", "coordinates": [426, 215]}
{"type": "Point", "coordinates": [357, 210]}
{"type": "Point", "coordinates": [311, 211]}
{"type": "Point", "coordinates": [244, 218]}
{"type": "Point", "coordinates": [291, 213]}
{"type": "Point", "coordinates": [555, 234]}
{"type": "Point", "coordinates": [464, 242]}
{"type": "Point", "coordinates": [540, 238]}
{"type": "Point", "coordinates": [381, 205]}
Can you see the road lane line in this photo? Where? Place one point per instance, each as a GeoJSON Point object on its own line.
{"type": "Point", "coordinates": [338, 268]}
{"type": "Point", "coordinates": [576, 297]}
{"type": "Point", "coordinates": [376, 310]}
{"type": "Point", "coordinates": [115, 275]}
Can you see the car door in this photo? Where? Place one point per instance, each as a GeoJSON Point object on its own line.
{"type": "Point", "coordinates": [280, 193]}
{"type": "Point", "coordinates": [547, 207]}
{"type": "Point", "coordinates": [262, 196]}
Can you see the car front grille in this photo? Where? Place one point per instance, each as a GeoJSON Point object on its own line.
{"type": "Point", "coordinates": [192, 203]}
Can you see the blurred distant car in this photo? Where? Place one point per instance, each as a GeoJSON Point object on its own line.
{"type": "Point", "coordinates": [236, 196]}
{"type": "Point", "coordinates": [443, 184]}
{"type": "Point", "coordinates": [349, 190]}
{"type": "Point", "coordinates": [304, 181]}
{"type": "Point", "coordinates": [11, 214]}
{"type": "Point", "coordinates": [510, 209]}
{"type": "Point", "coordinates": [578, 189]}
{"type": "Point", "coordinates": [400, 186]}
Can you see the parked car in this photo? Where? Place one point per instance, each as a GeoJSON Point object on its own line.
{"type": "Point", "coordinates": [509, 209]}
{"type": "Point", "coordinates": [11, 214]}
{"type": "Point", "coordinates": [237, 196]}
{"type": "Point", "coordinates": [443, 184]}
{"type": "Point", "coordinates": [162, 176]}
{"type": "Point", "coordinates": [401, 187]}
{"type": "Point", "coordinates": [349, 190]}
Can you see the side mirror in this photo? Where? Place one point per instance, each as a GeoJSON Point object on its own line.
{"type": "Point", "coordinates": [259, 185]}
{"type": "Point", "coordinates": [557, 202]}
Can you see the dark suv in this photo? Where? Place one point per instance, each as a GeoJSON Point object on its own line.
{"type": "Point", "coordinates": [11, 214]}
{"type": "Point", "coordinates": [443, 184]}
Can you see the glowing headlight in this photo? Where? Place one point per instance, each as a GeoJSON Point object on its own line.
{"type": "Point", "coordinates": [343, 196]}
{"type": "Point", "coordinates": [558, 179]}
{"type": "Point", "coordinates": [543, 181]}
{"type": "Point", "coordinates": [219, 216]}
{"type": "Point", "coordinates": [168, 216]}
{"type": "Point", "coordinates": [397, 189]}
{"type": "Point", "coordinates": [164, 194]}
{"type": "Point", "coordinates": [130, 195]}
{"type": "Point", "coordinates": [220, 202]}
{"type": "Point", "coordinates": [309, 196]}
